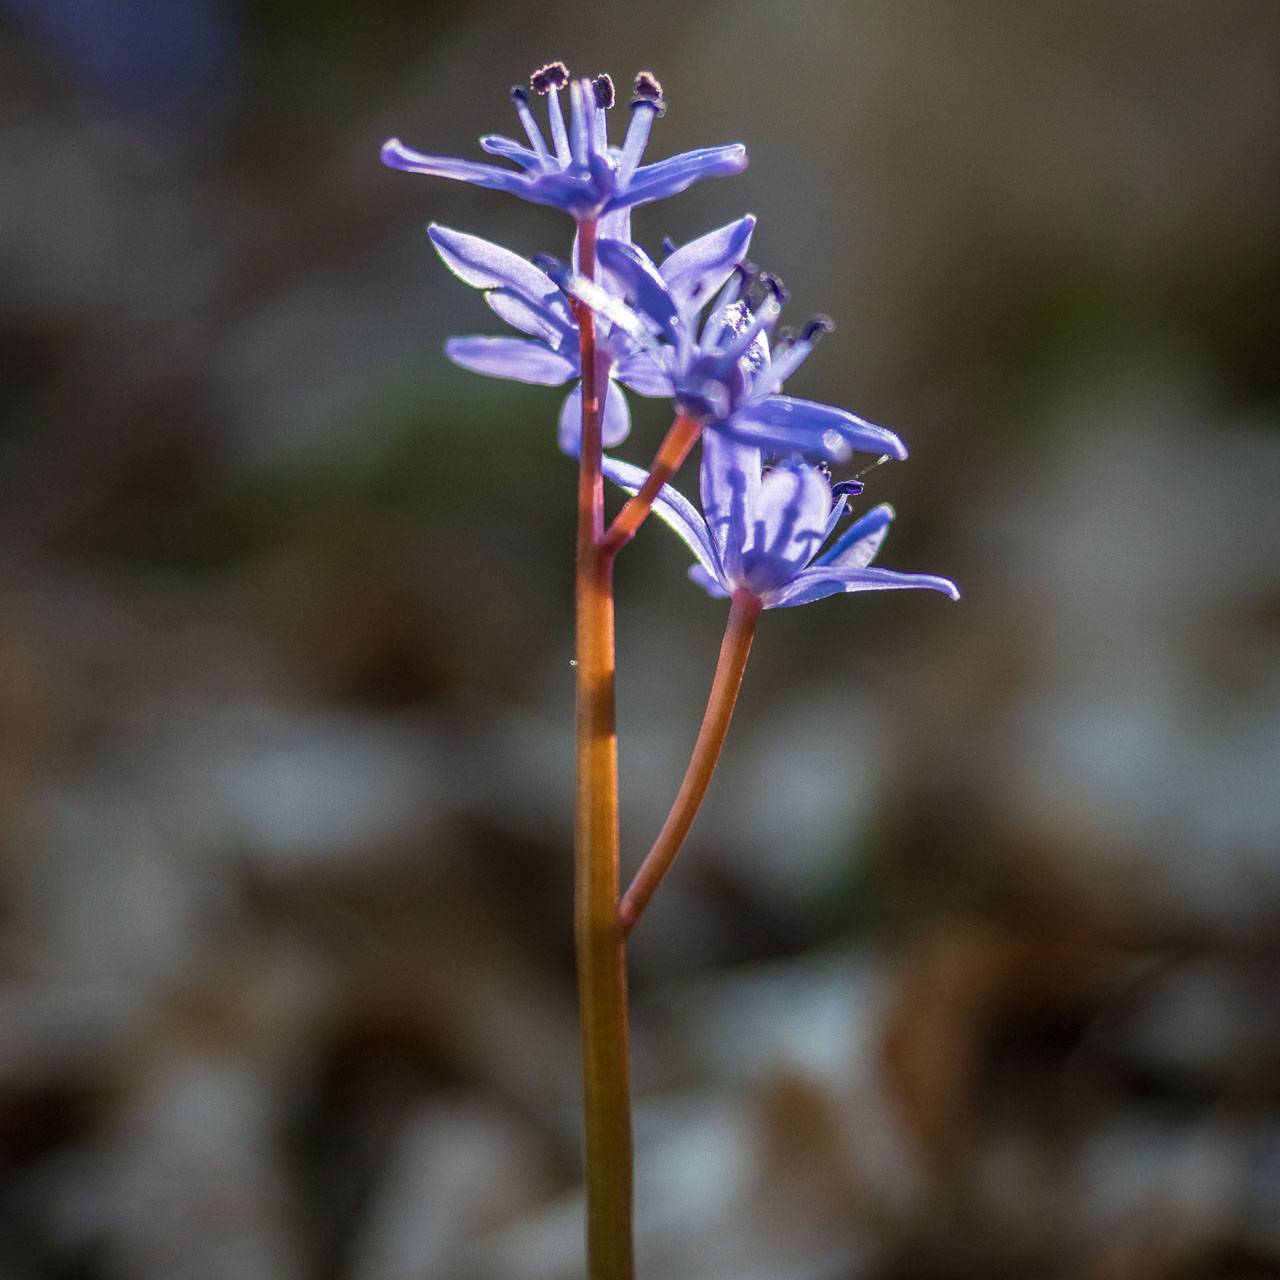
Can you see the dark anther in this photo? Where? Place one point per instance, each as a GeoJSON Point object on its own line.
{"type": "Point", "coordinates": [555, 75]}
{"type": "Point", "coordinates": [605, 96]}
{"type": "Point", "coordinates": [746, 272]}
{"type": "Point", "coordinates": [765, 284]}
{"type": "Point", "coordinates": [544, 261]}
{"type": "Point", "coordinates": [786, 337]}
{"type": "Point", "coordinates": [847, 488]}
{"type": "Point", "coordinates": [815, 325]}
{"type": "Point", "coordinates": [823, 469]}
{"type": "Point", "coordinates": [668, 245]}
{"type": "Point", "coordinates": [648, 92]}
{"type": "Point", "coordinates": [518, 93]}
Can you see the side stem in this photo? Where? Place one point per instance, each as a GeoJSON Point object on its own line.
{"type": "Point", "coordinates": [673, 450]}
{"type": "Point", "coordinates": [739, 630]}
{"type": "Point", "coordinates": [600, 941]}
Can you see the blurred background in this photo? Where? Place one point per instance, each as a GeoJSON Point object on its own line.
{"type": "Point", "coordinates": [971, 965]}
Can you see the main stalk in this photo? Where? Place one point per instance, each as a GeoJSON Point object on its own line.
{"type": "Point", "coordinates": [601, 950]}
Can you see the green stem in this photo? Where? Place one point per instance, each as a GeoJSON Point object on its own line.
{"type": "Point", "coordinates": [739, 630]}
{"type": "Point", "coordinates": [601, 946]}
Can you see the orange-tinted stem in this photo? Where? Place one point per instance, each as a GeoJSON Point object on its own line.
{"type": "Point", "coordinates": [743, 613]}
{"type": "Point", "coordinates": [671, 453]}
{"type": "Point", "coordinates": [600, 941]}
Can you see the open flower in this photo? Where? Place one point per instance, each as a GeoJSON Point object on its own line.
{"type": "Point", "coordinates": [764, 531]}
{"type": "Point", "coordinates": [723, 374]}
{"type": "Point", "coordinates": [529, 299]}
{"type": "Point", "coordinates": [579, 171]}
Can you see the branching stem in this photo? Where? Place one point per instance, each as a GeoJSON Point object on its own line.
{"type": "Point", "coordinates": [666, 462]}
{"type": "Point", "coordinates": [743, 613]}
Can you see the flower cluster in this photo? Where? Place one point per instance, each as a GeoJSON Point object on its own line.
{"type": "Point", "coordinates": [697, 329]}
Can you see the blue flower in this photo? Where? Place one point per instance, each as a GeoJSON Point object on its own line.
{"type": "Point", "coordinates": [529, 300]}
{"type": "Point", "coordinates": [532, 301]}
{"type": "Point", "coordinates": [579, 172]}
{"type": "Point", "coordinates": [763, 531]}
{"type": "Point", "coordinates": [723, 374]}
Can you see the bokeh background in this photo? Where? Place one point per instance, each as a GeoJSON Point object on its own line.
{"type": "Point", "coordinates": [971, 965]}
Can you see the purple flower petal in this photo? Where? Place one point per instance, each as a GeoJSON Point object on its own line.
{"type": "Point", "coordinates": [536, 320]}
{"type": "Point", "coordinates": [489, 266]}
{"type": "Point", "coordinates": [639, 284]}
{"type": "Point", "coordinates": [729, 481]}
{"type": "Point", "coordinates": [667, 177]}
{"type": "Point", "coordinates": [819, 581]}
{"type": "Point", "coordinates": [857, 545]}
{"type": "Point", "coordinates": [614, 427]}
{"type": "Point", "coordinates": [696, 271]}
{"type": "Point", "coordinates": [643, 375]}
{"type": "Point", "coordinates": [673, 509]}
{"type": "Point", "coordinates": [711, 585]}
{"type": "Point", "coordinates": [395, 155]}
{"type": "Point", "coordinates": [496, 145]}
{"type": "Point", "coordinates": [523, 359]}
{"type": "Point", "coordinates": [784, 424]}
{"type": "Point", "coordinates": [787, 522]}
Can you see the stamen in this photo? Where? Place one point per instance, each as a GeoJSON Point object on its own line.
{"type": "Point", "coordinates": [520, 97]}
{"type": "Point", "coordinates": [648, 92]}
{"type": "Point", "coordinates": [559, 135]}
{"type": "Point", "coordinates": [555, 75]}
{"type": "Point", "coordinates": [545, 262]}
{"type": "Point", "coordinates": [646, 106]}
{"type": "Point", "coordinates": [846, 488]}
{"type": "Point", "coordinates": [581, 101]}
{"type": "Point", "coordinates": [764, 286]}
{"type": "Point", "coordinates": [668, 245]}
{"type": "Point", "coordinates": [816, 325]}
{"type": "Point", "coordinates": [605, 95]}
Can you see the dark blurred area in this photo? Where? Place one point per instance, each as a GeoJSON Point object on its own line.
{"type": "Point", "coordinates": [971, 967]}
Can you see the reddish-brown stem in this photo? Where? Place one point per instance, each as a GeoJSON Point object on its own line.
{"type": "Point", "coordinates": [739, 630]}
{"type": "Point", "coordinates": [600, 943]}
{"type": "Point", "coordinates": [666, 462]}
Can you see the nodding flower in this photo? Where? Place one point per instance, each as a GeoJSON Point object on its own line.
{"type": "Point", "coordinates": [763, 532]}
{"type": "Point", "coordinates": [578, 170]}
{"type": "Point", "coordinates": [723, 373]}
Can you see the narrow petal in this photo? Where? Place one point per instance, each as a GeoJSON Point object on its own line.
{"type": "Point", "coordinates": [696, 271]}
{"type": "Point", "coordinates": [707, 582]}
{"type": "Point", "coordinates": [535, 319]}
{"type": "Point", "coordinates": [489, 266]}
{"type": "Point", "coordinates": [395, 155]}
{"type": "Point", "coordinates": [639, 283]}
{"type": "Point", "coordinates": [857, 545]}
{"type": "Point", "coordinates": [817, 430]}
{"type": "Point", "coordinates": [616, 423]}
{"type": "Point", "coordinates": [786, 524]}
{"type": "Point", "coordinates": [674, 510]}
{"type": "Point", "coordinates": [816, 582]}
{"type": "Point", "coordinates": [644, 375]}
{"type": "Point", "coordinates": [615, 225]}
{"type": "Point", "coordinates": [667, 177]}
{"type": "Point", "coordinates": [496, 145]}
{"type": "Point", "coordinates": [523, 359]}
{"type": "Point", "coordinates": [729, 481]}
{"type": "Point", "coordinates": [569, 435]}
